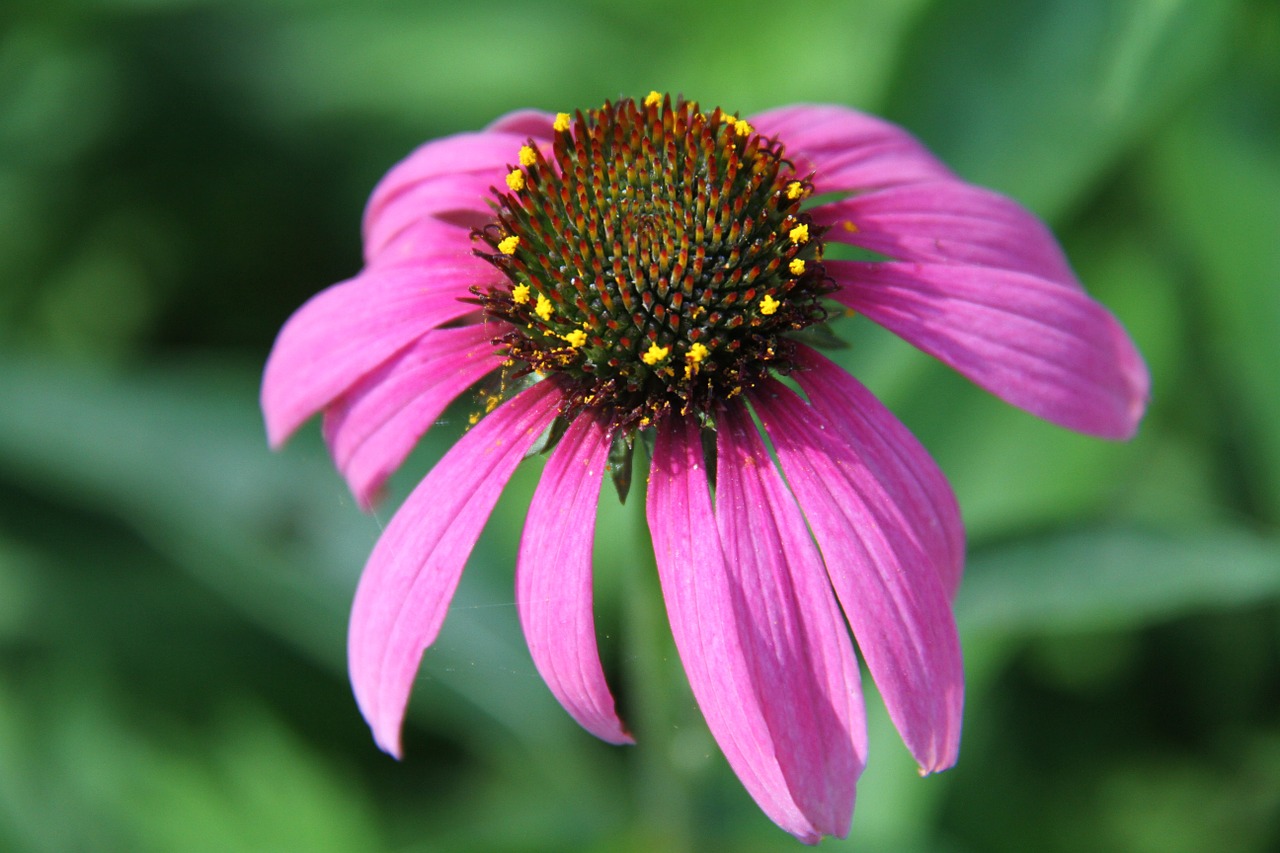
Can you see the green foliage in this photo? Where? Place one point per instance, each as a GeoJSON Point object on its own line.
{"type": "Point", "coordinates": [176, 176]}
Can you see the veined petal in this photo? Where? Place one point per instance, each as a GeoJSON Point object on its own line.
{"type": "Point", "coordinates": [413, 572]}
{"type": "Point", "coordinates": [345, 331]}
{"type": "Point", "coordinates": [700, 607]}
{"type": "Point", "coordinates": [1038, 344]}
{"type": "Point", "coordinates": [457, 200]}
{"type": "Point", "coordinates": [534, 124]}
{"type": "Point", "coordinates": [487, 152]}
{"type": "Point", "coordinates": [553, 579]}
{"type": "Point", "coordinates": [847, 150]}
{"type": "Point", "coordinates": [372, 427]}
{"type": "Point", "coordinates": [948, 221]}
{"type": "Point", "coordinates": [432, 237]}
{"type": "Point", "coordinates": [798, 652]}
{"type": "Point", "coordinates": [892, 595]}
{"type": "Point", "coordinates": [894, 458]}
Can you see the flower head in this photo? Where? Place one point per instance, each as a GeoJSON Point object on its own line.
{"type": "Point", "coordinates": [650, 266]}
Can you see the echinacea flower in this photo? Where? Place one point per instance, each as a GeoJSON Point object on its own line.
{"type": "Point", "coordinates": [643, 273]}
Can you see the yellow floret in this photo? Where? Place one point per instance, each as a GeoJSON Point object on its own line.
{"type": "Point", "coordinates": [697, 353]}
{"type": "Point", "coordinates": [795, 190]}
{"type": "Point", "coordinates": [520, 294]}
{"type": "Point", "coordinates": [796, 266]}
{"type": "Point", "coordinates": [543, 308]}
{"type": "Point", "coordinates": [800, 234]}
{"type": "Point", "coordinates": [652, 98]}
{"type": "Point", "coordinates": [561, 123]}
{"type": "Point", "coordinates": [741, 128]}
{"type": "Point", "coordinates": [507, 245]}
{"type": "Point", "coordinates": [655, 354]}
{"type": "Point", "coordinates": [515, 180]}
{"type": "Point", "coordinates": [527, 156]}
{"type": "Point", "coordinates": [768, 305]}
{"type": "Point", "coordinates": [576, 338]}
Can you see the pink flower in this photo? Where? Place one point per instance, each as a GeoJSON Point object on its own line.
{"type": "Point", "coordinates": [647, 269]}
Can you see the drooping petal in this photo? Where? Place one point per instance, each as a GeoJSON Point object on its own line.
{"type": "Point", "coordinates": [372, 427]}
{"type": "Point", "coordinates": [351, 328]}
{"type": "Point", "coordinates": [948, 221]}
{"type": "Point", "coordinates": [847, 150]}
{"type": "Point", "coordinates": [892, 595]}
{"type": "Point", "coordinates": [895, 459]}
{"type": "Point", "coordinates": [454, 200]}
{"type": "Point", "coordinates": [704, 622]}
{"type": "Point", "coordinates": [553, 579]}
{"type": "Point", "coordinates": [534, 124]}
{"type": "Point", "coordinates": [1038, 344]}
{"type": "Point", "coordinates": [413, 572]}
{"type": "Point", "coordinates": [797, 648]}
{"type": "Point", "coordinates": [487, 152]}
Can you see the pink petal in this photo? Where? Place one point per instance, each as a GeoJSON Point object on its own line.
{"type": "Point", "coordinates": [553, 579]}
{"type": "Point", "coordinates": [894, 458]}
{"type": "Point", "coordinates": [947, 221]}
{"type": "Point", "coordinates": [534, 124]}
{"type": "Point", "coordinates": [457, 200]}
{"type": "Point", "coordinates": [434, 237]}
{"type": "Point", "coordinates": [343, 332]}
{"type": "Point", "coordinates": [849, 151]}
{"type": "Point", "coordinates": [411, 576]}
{"type": "Point", "coordinates": [485, 153]}
{"type": "Point", "coordinates": [1038, 344]}
{"type": "Point", "coordinates": [372, 427]}
{"type": "Point", "coordinates": [801, 661]}
{"type": "Point", "coordinates": [705, 623]}
{"type": "Point", "coordinates": [891, 593]}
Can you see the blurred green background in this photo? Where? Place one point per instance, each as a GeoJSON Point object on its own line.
{"type": "Point", "coordinates": [176, 176]}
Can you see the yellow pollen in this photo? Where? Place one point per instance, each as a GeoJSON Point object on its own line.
{"type": "Point", "coordinates": [576, 338]}
{"type": "Point", "coordinates": [795, 190]}
{"type": "Point", "coordinates": [520, 294]}
{"type": "Point", "coordinates": [473, 418]}
{"type": "Point", "coordinates": [741, 128]}
{"type": "Point", "coordinates": [515, 180]}
{"type": "Point", "coordinates": [655, 354]}
{"type": "Point", "coordinates": [796, 266]}
{"type": "Point", "coordinates": [527, 156]}
{"type": "Point", "coordinates": [697, 353]}
{"type": "Point", "coordinates": [768, 305]}
{"type": "Point", "coordinates": [850, 227]}
{"type": "Point", "coordinates": [507, 245]}
{"type": "Point", "coordinates": [652, 98]}
{"type": "Point", "coordinates": [561, 123]}
{"type": "Point", "coordinates": [800, 234]}
{"type": "Point", "coordinates": [543, 308]}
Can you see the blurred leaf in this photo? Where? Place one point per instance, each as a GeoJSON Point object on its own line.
{"type": "Point", "coordinates": [368, 61]}
{"type": "Point", "coordinates": [18, 574]}
{"type": "Point", "coordinates": [1114, 579]}
{"type": "Point", "coordinates": [79, 775]}
{"type": "Point", "coordinates": [180, 455]}
{"type": "Point", "coordinates": [1217, 174]}
{"type": "Point", "coordinates": [252, 786]}
{"type": "Point", "coordinates": [1040, 99]}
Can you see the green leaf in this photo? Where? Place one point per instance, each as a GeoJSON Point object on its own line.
{"type": "Point", "coordinates": [1217, 178]}
{"type": "Point", "coordinates": [1111, 579]}
{"type": "Point", "coordinates": [180, 455]}
{"type": "Point", "coordinates": [1040, 99]}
